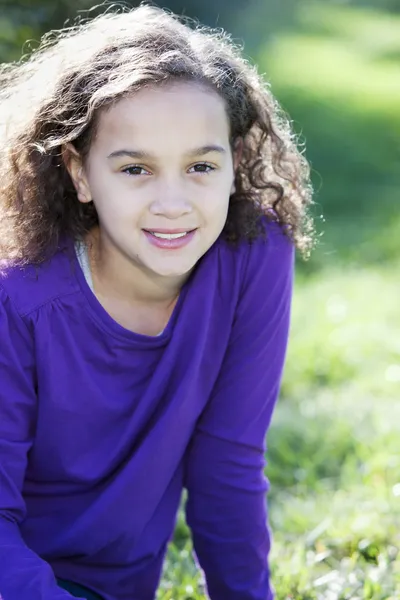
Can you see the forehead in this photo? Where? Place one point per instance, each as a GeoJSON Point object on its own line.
{"type": "Point", "coordinates": [163, 113]}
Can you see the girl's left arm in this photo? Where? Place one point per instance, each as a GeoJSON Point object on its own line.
{"type": "Point", "coordinates": [224, 471]}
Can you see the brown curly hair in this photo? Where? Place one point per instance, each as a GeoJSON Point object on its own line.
{"type": "Point", "coordinates": [53, 97]}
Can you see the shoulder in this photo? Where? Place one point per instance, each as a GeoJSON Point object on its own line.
{"type": "Point", "coordinates": [30, 287]}
{"type": "Point", "coordinates": [273, 244]}
{"type": "Point", "coordinates": [267, 256]}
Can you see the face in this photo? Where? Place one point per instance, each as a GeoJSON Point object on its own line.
{"type": "Point", "coordinates": [160, 165]}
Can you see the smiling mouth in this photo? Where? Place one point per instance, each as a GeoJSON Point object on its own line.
{"type": "Point", "coordinates": [169, 235]}
{"type": "Point", "coordinates": [170, 240]}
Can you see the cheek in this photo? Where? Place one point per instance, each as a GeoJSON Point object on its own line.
{"type": "Point", "coordinates": [217, 202]}
{"type": "Point", "coordinates": [113, 200]}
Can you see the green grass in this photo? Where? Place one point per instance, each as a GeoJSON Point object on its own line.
{"type": "Point", "coordinates": [333, 453]}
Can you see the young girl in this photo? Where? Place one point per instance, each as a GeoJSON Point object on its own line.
{"type": "Point", "coordinates": [151, 198]}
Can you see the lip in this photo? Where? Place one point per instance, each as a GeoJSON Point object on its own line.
{"type": "Point", "coordinates": [173, 244]}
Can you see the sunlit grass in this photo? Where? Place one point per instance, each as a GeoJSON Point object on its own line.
{"type": "Point", "coordinates": [342, 54]}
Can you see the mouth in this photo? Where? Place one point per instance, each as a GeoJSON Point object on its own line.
{"type": "Point", "coordinates": [169, 239]}
{"type": "Point", "coordinates": [169, 234]}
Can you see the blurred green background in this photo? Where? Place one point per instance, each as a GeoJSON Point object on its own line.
{"type": "Point", "coordinates": [333, 448]}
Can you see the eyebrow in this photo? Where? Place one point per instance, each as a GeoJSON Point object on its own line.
{"type": "Point", "coordinates": [140, 154]}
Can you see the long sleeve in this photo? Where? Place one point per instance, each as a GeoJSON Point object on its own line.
{"type": "Point", "coordinates": [224, 471]}
{"type": "Point", "coordinates": [23, 575]}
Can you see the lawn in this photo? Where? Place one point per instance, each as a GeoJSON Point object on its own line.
{"type": "Point", "coordinates": [333, 454]}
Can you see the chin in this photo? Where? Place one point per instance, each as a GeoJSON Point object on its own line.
{"type": "Point", "coordinates": [174, 270]}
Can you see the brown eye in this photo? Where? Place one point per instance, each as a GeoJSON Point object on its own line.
{"type": "Point", "coordinates": [203, 168]}
{"type": "Point", "coordinates": [134, 170]}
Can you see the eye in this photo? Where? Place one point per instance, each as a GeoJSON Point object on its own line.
{"type": "Point", "coordinates": [202, 168]}
{"type": "Point", "coordinates": [135, 170]}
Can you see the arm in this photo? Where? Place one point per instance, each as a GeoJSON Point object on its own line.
{"type": "Point", "coordinates": [224, 476]}
{"type": "Point", "coordinates": [23, 575]}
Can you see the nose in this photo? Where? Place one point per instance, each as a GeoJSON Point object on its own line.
{"type": "Point", "coordinates": [171, 199]}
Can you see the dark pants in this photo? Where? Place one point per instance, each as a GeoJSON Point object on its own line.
{"type": "Point", "coordinates": [79, 591]}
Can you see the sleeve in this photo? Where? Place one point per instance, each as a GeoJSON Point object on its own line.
{"type": "Point", "coordinates": [23, 575]}
{"type": "Point", "coordinates": [224, 471]}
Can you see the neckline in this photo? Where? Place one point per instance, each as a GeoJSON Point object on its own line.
{"type": "Point", "coordinates": [110, 326]}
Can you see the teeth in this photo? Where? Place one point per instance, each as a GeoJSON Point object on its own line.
{"type": "Point", "coordinates": [169, 236]}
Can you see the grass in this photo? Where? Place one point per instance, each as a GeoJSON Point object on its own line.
{"type": "Point", "coordinates": [333, 458]}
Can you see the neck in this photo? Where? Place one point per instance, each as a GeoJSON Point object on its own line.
{"type": "Point", "coordinates": [115, 276]}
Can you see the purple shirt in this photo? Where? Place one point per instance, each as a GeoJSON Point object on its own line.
{"type": "Point", "coordinates": [101, 428]}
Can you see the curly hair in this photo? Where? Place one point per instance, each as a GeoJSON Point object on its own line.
{"type": "Point", "coordinates": [54, 97]}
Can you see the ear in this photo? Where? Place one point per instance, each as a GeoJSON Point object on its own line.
{"type": "Point", "coordinates": [74, 165]}
{"type": "Point", "coordinates": [237, 157]}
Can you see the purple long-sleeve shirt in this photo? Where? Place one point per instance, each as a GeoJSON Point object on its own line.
{"type": "Point", "coordinates": [101, 428]}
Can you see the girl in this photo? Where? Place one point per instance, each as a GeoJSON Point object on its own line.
{"type": "Point", "coordinates": [151, 199]}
